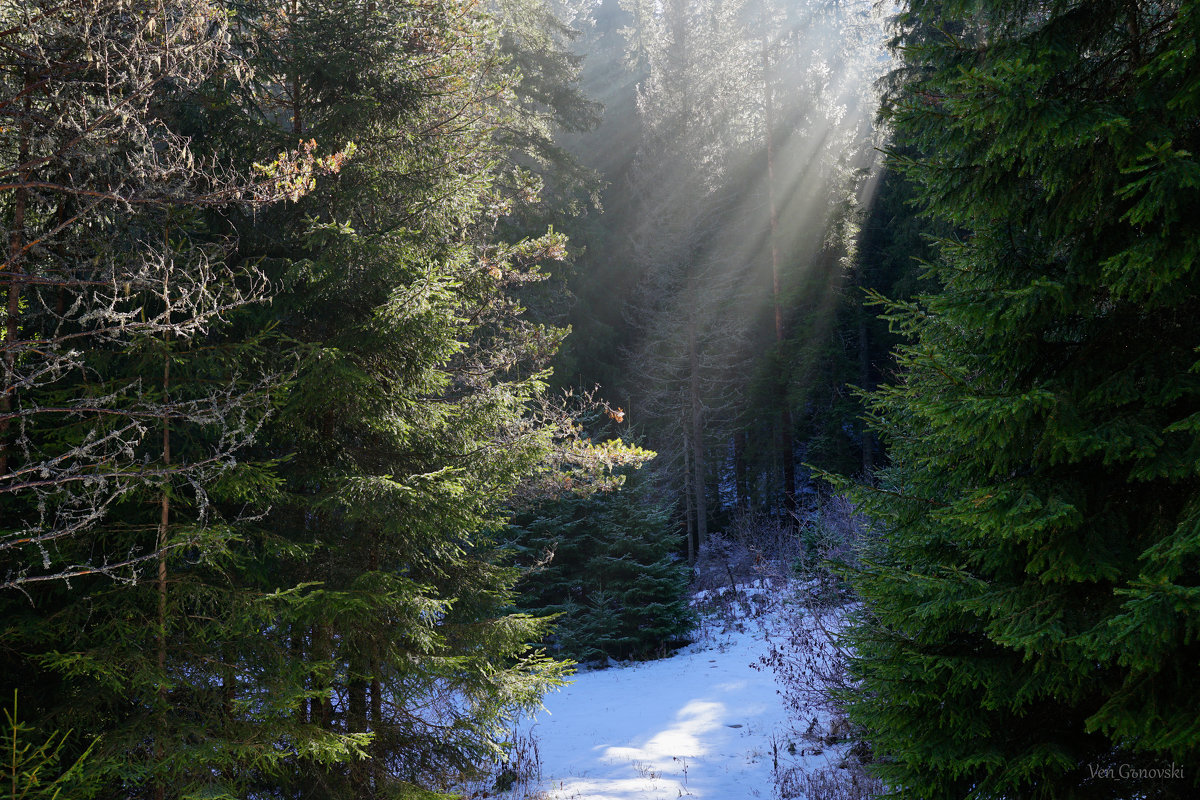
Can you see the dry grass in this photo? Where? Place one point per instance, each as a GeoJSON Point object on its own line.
{"type": "Point", "coordinates": [760, 563]}
{"type": "Point", "coordinates": [516, 777]}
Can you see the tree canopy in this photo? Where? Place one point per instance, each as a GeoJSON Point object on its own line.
{"type": "Point", "coordinates": [270, 390]}
{"type": "Point", "coordinates": [1030, 613]}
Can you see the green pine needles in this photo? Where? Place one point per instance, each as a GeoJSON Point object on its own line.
{"type": "Point", "coordinates": [607, 565]}
{"type": "Point", "coordinates": [1031, 620]}
{"type": "Point", "coordinates": [31, 764]}
{"type": "Point", "coordinates": [293, 439]}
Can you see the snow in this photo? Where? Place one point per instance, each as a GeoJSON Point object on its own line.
{"type": "Point", "coordinates": [702, 723]}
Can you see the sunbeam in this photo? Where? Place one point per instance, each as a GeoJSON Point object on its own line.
{"type": "Point", "coordinates": [739, 141]}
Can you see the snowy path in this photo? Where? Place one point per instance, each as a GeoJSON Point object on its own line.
{"type": "Point", "coordinates": [702, 723]}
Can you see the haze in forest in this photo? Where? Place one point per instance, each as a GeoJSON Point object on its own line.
{"type": "Point", "coordinates": [707, 224]}
{"type": "Point", "coordinates": [368, 368]}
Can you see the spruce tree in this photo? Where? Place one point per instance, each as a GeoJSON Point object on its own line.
{"type": "Point", "coordinates": [327, 614]}
{"type": "Point", "coordinates": [416, 414]}
{"type": "Point", "coordinates": [125, 405]}
{"type": "Point", "coordinates": [606, 565]}
{"type": "Point", "coordinates": [1031, 609]}
{"type": "Point", "coordinates": [106, 259]}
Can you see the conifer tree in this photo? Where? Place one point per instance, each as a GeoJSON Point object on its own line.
{"type": "Point", "coordinates": [697, 238]}
{"type": "Point", "coordinates": [331, 617]}
{"type": "Point", "coordinates": [416, 415]}
{"type": "Point", "coordinates": [127, 408]}
{"type": "Point", "coordinates": [606, 565]}
{"type": "Point", "coordinates": [1030, 618]}
{"type": "Point", "coordinates": [104, 256]}
{"type": "Point", "coordinates": [687, 331]}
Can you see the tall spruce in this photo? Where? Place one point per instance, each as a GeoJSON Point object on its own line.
{"type": "Point", "coordinates": [685, 384]}
{"type": "Point", "coordinates": [1031, 612]}
{"type": "Point", "coordinates": [106, 259]}
{"type": "Point", "coordinates": [416, 415]}
{"type": "Point", "coordinates": [127, 409]}
{"type": "Point", "coordinates": [718, 388]}
{"type": "Point", "coordinates": [331, 618]}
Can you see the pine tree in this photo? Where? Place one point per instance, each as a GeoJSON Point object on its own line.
{"type": "Point", "coordinates": [328, 614]}
{"type": "Point", "coordinates": [1030, 618]}
{"type": "Point", "coordinates": [416, 415]}
{"type": "Point", "coordinates": [606, 565]}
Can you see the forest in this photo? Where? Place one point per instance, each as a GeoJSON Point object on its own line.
{"type": "Point", "coordinates": [369, 367]}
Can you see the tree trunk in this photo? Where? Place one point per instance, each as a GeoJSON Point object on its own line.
{"type": "Point", "coordinates": [741, 478]}
{"type": "Point", "coordinates": [376, 723]}
{"type": "Point", "coordinates": [864, 381]}
{"type": "Point", "coordinates": [371, 703]}
{"type": "Point", "coordinates": [295, 89]}
{"type": "Point", "coordinates": [787, 455]}
{"type": "Point", "coordinates": [356, 722]}
{"type": "Point", "coordinates": [689, 502]}
{"type": "Point", "coordinates": [697, 437]}
{"type": "Point", "coordinates": [296, 653]}
{"type": "Point", "coordinates": [321, 707]}
{"type": "Point", "coordinates": [15, 271]}
{"type": "Point", "coordinates": [163, 525]}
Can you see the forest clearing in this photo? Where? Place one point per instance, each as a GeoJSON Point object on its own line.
{"type": "Point", "coordinates": [708, 720]}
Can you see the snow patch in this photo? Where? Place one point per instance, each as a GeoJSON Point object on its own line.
{"type": "Point", "coordinates": [708, 722]}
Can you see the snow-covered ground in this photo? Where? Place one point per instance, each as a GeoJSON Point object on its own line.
{"type": "Point", "coordinates": [702, 723]}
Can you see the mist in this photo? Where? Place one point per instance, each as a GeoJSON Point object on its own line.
{"type": "Point", "coordinates": [737, 151]}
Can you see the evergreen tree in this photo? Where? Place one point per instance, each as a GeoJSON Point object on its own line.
{"type": "Point", "coordinates": [685, 245]}
{"type": "Point", "coordinates": [328, 615]}
{"type": "Point", "coordinates": [688, 330]}
{"type": "Point", "coordinates": [417, 413]}
{"type": "Point", "coordinates": [1030, 617]}
{"type": "Point", "coordinates": [538, 41]}
{"type": "Point", "coordinates": [602, 280]}
{"type": "Point", "coordinates": [106, 261]}
{"type": "Point", "coordinates": [606, 565]}
{"type": "Point", "coordinates": [127, 410]}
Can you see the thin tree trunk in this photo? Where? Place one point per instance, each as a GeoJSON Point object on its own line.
{"type": "Point", "coordinates": [697, 437]}
{"type": "Point", "coordinates": [313, 704]}
{"type": "Point", "coordinates": [16, 244]}
{"type": "Point", "coordinates": [356, 722]}
{"type": "Point", "coordinates": [741, 480]}
{"type": "Point", "coordinates": [322, 708]}
{"type": "Point", "coordinates": [163, 524]}
{"type": "Point", "coordinates": [376, 723]}
{"type": "Point", "coordinates": [375, 718]}
{"type": "Point", "coordinates": [689, 502]}
{"type": "Point", "coordinates": [786, 446]}
{"type": "Point", "coordinates": [864, 381]}
{"type": "Point", "coordinates": [692, 408]}
{"type": "Point", "coordinates": [296, 90]}
{"type": "Point", "coordinates": [296, 653]}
